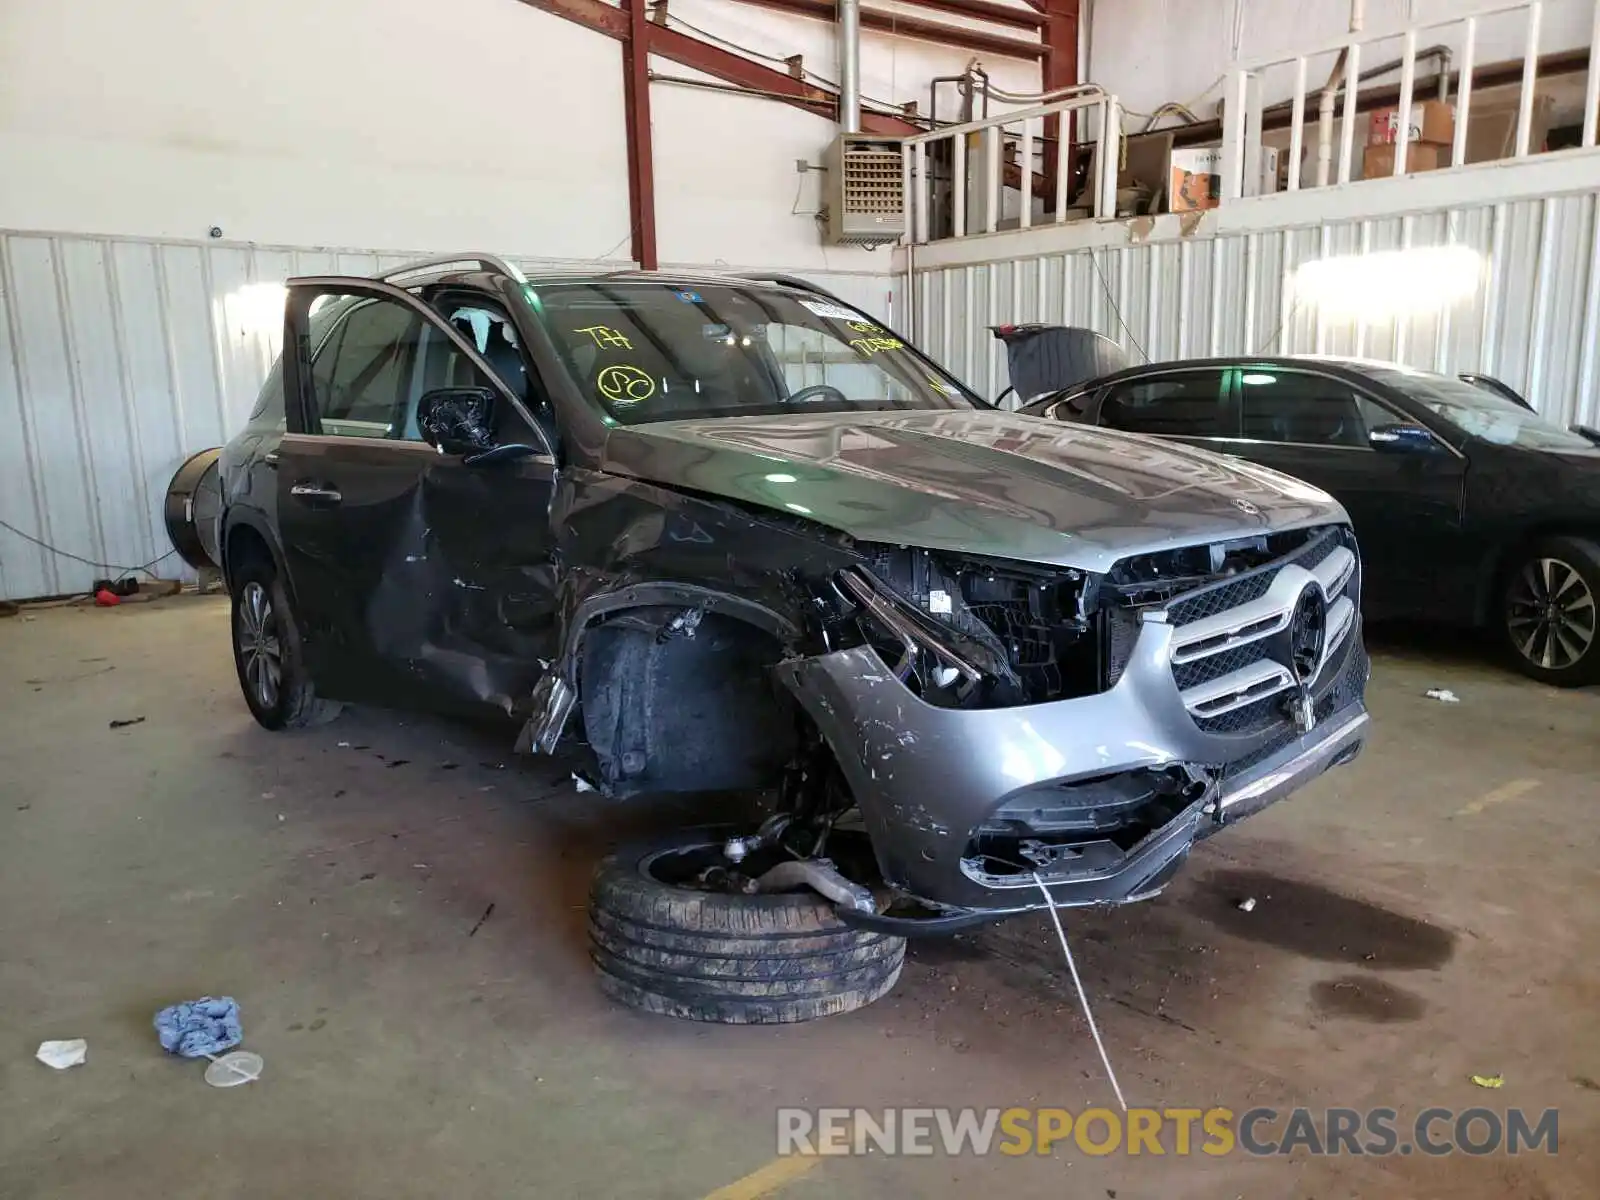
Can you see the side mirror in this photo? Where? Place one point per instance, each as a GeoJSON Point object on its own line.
{"type": "Point", "coordinates": [457, 420]}
{"type": "Point", "coordinates": [1402, 439]}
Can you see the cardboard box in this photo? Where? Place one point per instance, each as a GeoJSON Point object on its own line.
{"type": "Point", "coordinates": [1432, 121]}
{"type": "Point", "coordinates": [1377, 162]}
{"type": "Point", "coordinates": [1492, 127]}
{"type": "Point", "coordinates": [1194, 179]}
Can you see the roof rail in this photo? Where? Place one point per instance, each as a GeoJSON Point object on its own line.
{"type": "Point", "coordinates": [493, 261]}
{"type": "Point", "coordinates": [793, 281]}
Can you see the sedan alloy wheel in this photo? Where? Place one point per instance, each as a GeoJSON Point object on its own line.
{"type": "Point", "coordinates": [1550, 614]}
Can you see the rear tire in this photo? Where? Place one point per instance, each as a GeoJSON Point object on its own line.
{"type": "Point", "coordinates": [1550, 611]}
{"type": "Point", "coordinates": [269, 655]}
{"type": "Point", "coordinates": [727, 958]}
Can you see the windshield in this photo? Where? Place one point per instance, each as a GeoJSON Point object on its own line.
{"type": "Point", "coordinates": [1480, 412]}
{"type": "Point", "coordinates": [646, 351]}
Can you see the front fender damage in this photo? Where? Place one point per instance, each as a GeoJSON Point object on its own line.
{"type": "Point", "coordinates": [655, 566]}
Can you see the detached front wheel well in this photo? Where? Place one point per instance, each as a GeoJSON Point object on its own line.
{"type": "Point", "coordinates": [677, 699]}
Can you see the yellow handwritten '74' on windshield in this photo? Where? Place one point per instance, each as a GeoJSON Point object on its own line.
{"type": "Point", "coordinates": [606, 337]}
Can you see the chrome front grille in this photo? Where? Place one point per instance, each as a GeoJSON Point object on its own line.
{"type": "Point", "coordinates": [1229, 638]}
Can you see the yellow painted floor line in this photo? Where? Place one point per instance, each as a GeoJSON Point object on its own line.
{"type": "Point", "coordinates": [768, 1180]}
{"type": "Point", "coordinates": [1506, 791]}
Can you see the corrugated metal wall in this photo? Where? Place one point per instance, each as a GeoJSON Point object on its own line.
{"type": "Point", "coordinates": [1534, 322]}
{"type": "Point", "coordinates": [118, 359]}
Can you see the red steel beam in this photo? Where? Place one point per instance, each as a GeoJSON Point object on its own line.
{"type": "Point", "coordinates": [1060, 71]}
{"type": "Point", "coordinates": [715, 61]}
{"type": "Point", "coordinates": [986, 10]}
{"type": "Point", "coordinates": [735, 68]}
{"type": "Point", "coordinates": [728, 67]}
{"type": "Point", "coordinates": [592, 14]}
{"type": "Point", "coordinates": [1061, 36]}
{"type": "Point", "coordinates": [641, 155]}
{"type": "Point", "coordinates": [915, 27]}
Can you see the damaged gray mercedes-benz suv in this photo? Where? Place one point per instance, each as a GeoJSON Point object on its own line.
{"type": "Point", "coordinates": [707, 534]}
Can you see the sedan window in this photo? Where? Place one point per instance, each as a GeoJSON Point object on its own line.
{"type": "Point", "coordinates": [1307, 410]}
{"type": "Point", "coordinates": [1481, 413]}
{"type": "Point", "coordinates": [1188, 405]}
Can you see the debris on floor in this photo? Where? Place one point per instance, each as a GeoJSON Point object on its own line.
{"type": "Point", "coordinates": [107, 593]}
{"type": "Point", "coordinates": [124, 722]}
{"type": "Point", "coordinates": [230, 1070]}
{"type": "Point", "coordinates": [1489, 1081]}
{"type": "Point", "coordinates": [1443, 695]}
{"type": "Point", "coordinates": [63, 1054]}
{"type": "Point", "coordinates": [1248, 904]}
{"type": "Point", "coordinates": [200, 1028]}
{"type": "Point", "coordinates": [479, 924]}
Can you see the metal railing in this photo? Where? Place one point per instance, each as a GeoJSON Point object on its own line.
{"type": "Point", "coordinates": [1015, 170]}
{"type": "Point", "coordinates": [1243, 107]}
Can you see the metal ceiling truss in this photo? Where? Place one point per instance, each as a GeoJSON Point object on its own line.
{"type": "Point", "coordinates": [641, 37]}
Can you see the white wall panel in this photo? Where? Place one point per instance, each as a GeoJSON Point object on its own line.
{"type": "Point", "coordinates": [1533, 320]}
{"type": "Point", "coordinates": [119, 358]}
{"type": "Point", "coordinates": [362, 122]}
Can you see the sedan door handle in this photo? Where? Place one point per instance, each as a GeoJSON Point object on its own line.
{"type": "Point", "coordinates": [316, 492]}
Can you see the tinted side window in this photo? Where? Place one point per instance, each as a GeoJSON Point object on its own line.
{"type": "Point", "coordinates": [1306, 410]}
{"type": "Point", "coordinates": [269, 412]}
{"type": "Point", "coordinates": [1068, 408]}
{"type": "Point", "coordinates": [361, 376]}
{"type": "Point", "coordinates": [1173, 405]}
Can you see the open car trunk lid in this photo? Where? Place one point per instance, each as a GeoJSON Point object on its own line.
{"type": "Point", "coordinates": [1052, 358]}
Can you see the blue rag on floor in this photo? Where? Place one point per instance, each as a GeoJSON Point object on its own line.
{"type": "Point", "coordinates": [200, 1027]}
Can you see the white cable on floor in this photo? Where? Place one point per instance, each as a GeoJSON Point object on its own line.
{"type": "Point", "coordinates": [1083, 996]}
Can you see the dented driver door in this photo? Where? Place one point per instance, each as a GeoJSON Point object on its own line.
{"type": "Point", "coordinates": [418, 578]}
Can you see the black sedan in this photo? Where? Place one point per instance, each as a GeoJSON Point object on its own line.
{"type": "Point", "coordinates": [1469, 508]}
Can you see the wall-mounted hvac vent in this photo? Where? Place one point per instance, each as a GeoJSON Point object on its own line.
{"type": "Point", "coordinates": [866, 191]}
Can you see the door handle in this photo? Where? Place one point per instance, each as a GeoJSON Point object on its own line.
{"type": "Point", "coordinates": [316, 492]}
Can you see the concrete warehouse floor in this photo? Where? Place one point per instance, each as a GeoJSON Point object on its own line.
{"type": "Point", "coordinates": [1427, 914]}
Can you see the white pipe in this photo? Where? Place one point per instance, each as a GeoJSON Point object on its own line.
{"type": "Point", "coordinates": [1076, 90]}
{"type": "Point", "coordinates": [1085, 44]}
{"type": "Point", "coordinates": [1330, 91]}
{"type": "Point", "coordinates": [850, 66]}
{"type": "Point", "coordinates": [1325, 103]}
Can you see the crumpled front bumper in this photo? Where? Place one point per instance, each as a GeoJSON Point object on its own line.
{"type": "Point", "coordinates": [926, 777]}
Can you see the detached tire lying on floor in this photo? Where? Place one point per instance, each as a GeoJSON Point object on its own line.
{"type": "Point", "coordinates": [671, 948]}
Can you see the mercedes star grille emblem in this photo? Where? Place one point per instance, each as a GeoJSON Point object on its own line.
{"type": "Point", "coordinates": [1308, 632]}
{"type": "Point", "coordinates": [1306, 637]}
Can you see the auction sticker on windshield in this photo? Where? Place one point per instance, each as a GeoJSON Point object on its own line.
{"type": "Point", "coordinates": [834, 312]}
